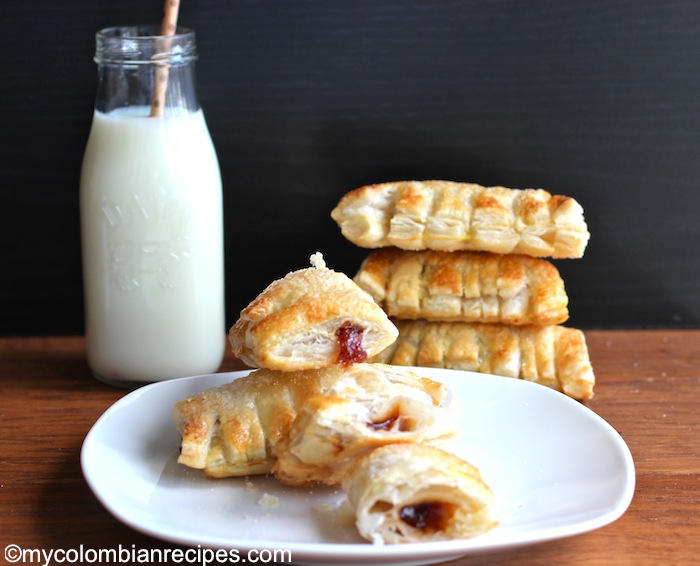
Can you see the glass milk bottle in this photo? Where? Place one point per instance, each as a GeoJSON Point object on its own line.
{"type": "Point", "coordinates": [151, 215]}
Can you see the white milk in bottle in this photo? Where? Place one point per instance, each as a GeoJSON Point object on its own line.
{"type": "Point", "coordinates": [152, 228]}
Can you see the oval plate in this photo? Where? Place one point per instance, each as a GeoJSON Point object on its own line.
{"type": "Point", "coordinates": [556, 467]}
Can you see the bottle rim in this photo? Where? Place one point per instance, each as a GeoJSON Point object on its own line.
{"type": "Point", "coordinates": [144, 45]}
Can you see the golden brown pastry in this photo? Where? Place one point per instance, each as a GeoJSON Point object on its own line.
{"type": "Point", "coordinates": [466, 286]}
{"type": "Point", "coordinates": [310, 318]}
{"type": "Point", "coordinates": [308, 426]}
{"type": "Point", "coordinates": [444, 215]}
{"type": "Point", "coordinates": [415, 493]}
{"type": "Point", "coordinates": [555, 356]}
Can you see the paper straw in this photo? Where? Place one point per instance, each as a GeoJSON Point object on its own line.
{"type": "Point", "coordinates": [168, 27]}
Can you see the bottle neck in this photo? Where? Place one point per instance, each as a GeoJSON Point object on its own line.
{"type": "Point", "coordinates": [132, 60]}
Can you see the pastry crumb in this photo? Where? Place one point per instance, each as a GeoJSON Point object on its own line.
{"type": "Point", "coordinates": [317, 260]}
{"type": "Point", "coordinates": [268, 500]}
{"type": "Point", "coordinates": [324, 508]}
{"type": "Point", "coordinates": [250, 486]}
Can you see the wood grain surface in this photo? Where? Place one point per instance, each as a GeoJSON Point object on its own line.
{"type": "Point", "coordinates": [648, 389]}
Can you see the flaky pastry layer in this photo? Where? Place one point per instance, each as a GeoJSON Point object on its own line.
{"type": "Point", "coordinates": [445, 215]}
{"type": "Point", "coordinates": [555, 356]}
{"type": "Point", "coordinates": [297, 321]}
{"type": "Point", "coordinates": [308, 426]}
{"type": "Point", "coordinates": [407, 493]}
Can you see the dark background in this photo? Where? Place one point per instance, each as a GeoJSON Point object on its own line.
{"type": "Point", "coordinates": [306, 100]}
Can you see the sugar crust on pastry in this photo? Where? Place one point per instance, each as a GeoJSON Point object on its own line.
{"type": "Point", "coordinates": [310, 318]}
{"type": "Point", "coordinates": [308, 426]}
{"type": "Point", "coordinates": [555, 356]}
{"type": "Point", "coordinates": [445, 215]}
{"type": "Point", "coordinates": [465, 286]}
{"type": "Point", "coordinates": [406, 493]}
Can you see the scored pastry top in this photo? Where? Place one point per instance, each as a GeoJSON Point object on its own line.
{"type": "Point", "coordinates": [308, 426]}
{"type": "Point", "coordinates": [446, 215]}
{"type": "Point", "coordinates": [551, 355]}
{"type": "Point", "coordinates": [465, 286]}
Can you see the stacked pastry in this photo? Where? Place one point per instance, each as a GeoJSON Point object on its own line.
{"type": "Point", "coordinates": [460, 269]}
{"type": "Point", "coordinates": [313, 413]}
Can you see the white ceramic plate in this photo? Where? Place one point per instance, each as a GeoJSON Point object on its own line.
{"type": "Point", "coordinates": [556, 467]}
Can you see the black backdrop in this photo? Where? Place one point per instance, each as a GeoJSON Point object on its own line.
{"type": "Point", "coordinates": [306, 100]}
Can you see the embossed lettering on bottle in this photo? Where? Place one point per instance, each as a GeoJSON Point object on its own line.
{"type": "Point", "coordinates": [154, 259]}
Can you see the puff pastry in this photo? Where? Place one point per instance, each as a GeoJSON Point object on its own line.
{"type": "Point", "coordinates": [310, 318]}
{"type": "Point", "coordinates": [308, 426]}
{"type": "Point", "coordinates": [444, 215]}
{"type": "Point", "coordinates": [555, 356]}
{"type": "Point", "coordinates": [415, 493]}
{"type": "Point", "coordinates": [466, 286]}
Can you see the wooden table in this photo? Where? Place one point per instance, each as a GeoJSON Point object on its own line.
{"type": "Point", "coordinates": [648, 388]}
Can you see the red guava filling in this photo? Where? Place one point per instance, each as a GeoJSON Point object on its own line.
{"type": "Point", "coordinates": [431, 516]}
{"type": "Point", "coordinates": [350, 341]}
